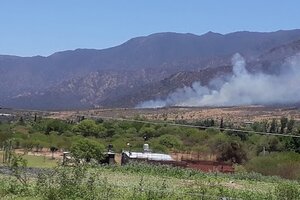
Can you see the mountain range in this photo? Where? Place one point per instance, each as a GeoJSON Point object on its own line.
{"type": "Point", "coordinates": [138, 70]}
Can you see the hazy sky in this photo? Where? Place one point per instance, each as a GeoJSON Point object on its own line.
{"type": "Point", "coordinates": [42, 27]}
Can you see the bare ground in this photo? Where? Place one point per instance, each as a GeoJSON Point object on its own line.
{"type": "Point", "coordinates": [230, 114]}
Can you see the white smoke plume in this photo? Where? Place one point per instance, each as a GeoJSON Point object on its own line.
{"type": "Point", "coordinates": [242, 88]}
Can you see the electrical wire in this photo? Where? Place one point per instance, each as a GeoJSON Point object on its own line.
{"type": "Point", "coordinates": [182, 125]}
{"type": "Point", "coordinates": [196, 126]}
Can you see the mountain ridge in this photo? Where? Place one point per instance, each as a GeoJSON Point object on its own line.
{"type": "Point", "coordinates": [161, 55]}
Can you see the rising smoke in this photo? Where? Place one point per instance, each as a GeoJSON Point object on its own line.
{"type": "Point", "coordinates": [242, 88]}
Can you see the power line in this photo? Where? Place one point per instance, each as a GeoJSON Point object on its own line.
{"type": "Point", "coordinates": [196, 126]}
{"type": "Point", "coordinates": [182, 125]}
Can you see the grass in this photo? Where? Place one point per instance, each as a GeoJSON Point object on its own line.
{"type": "Point", "coordinates": [40, 161]}
{"type": "Point", "coordinates": [37, 161]}
{"type": "Point", "coordinates": [21, 129]}
{"type": "Point", "coordinates": [142, 181]}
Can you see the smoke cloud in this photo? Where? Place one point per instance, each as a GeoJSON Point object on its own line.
{"type": "Point", "coordinates": [242, 88]}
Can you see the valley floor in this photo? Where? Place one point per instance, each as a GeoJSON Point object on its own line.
{"type": "Point", "coordinates": [232, 114]}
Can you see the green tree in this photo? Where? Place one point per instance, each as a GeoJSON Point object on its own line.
{"type": "Point", "coordinates": [283, 123]}
{"type": "Point", "coordinates": [3, 137]}
{"type": "Point", "coordinates": [291, 144]}
{"type": "Point", "coordinates": [8, 150]}
{"type": "Point", "coordinates": [131, 131]}
{"type": "Point", "coordinates": [170, 141]}
{"type": "Point", "coordinates": [171, 130]}
{"type": "Point", "coordinates": [49, 125]}
{"type": "Point", "coordinates": [221, 123]}
{"type": "Point", "coordinates": [290, 126]}
{"type": "Point", "coordinates": [228, 149]}
{"type": "Point", "coordinates": [21, 121]}
{"type": "Point", "coordinates": [269, 143]}
{"type": "Point", "coordinates": [148, 132]}
{"type": "Point", "coordinates": [87, 149]}
{"type": "Point", "coordinates": [90, 128]}
{"type": "Point", "coordinates": [260, 126]}
{"type": "Point", "coordinates": [273, 126]}
{"type": "Point", "coordinates": [53, 149]}
{"type": "Point", "coordinates": [18, 166]}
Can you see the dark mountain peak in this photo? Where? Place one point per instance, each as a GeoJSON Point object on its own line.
{"type": "Point", "coordinates": [284, 33]}
{"type": "Point", "coordinates": [288, 31]}
{"type": "Point", "coordinates": [171, 34]}
{"type": "Point", "coordinates": [212, 34]}
{"type": "Point", "coordinates": [73, 52]}
{"type": "Point", "coordinates": [4, 57]}
{"type": "Point", "coordinates": [161, 37]}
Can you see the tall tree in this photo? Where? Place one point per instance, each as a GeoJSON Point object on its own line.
{"type": "Point", "coordinates": [273, 126]}
{"type": "Point", "coordinates": [290, 126]}
{"type": "Point", "coordinates": [221, 124]}
{"type": "Point", "coordinates": [283, 124]}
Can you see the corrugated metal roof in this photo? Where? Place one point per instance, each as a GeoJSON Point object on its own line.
{"type": "Point", "coordinates": [148, 155]}
{"type": "Point", "coordinates": [5, 114]}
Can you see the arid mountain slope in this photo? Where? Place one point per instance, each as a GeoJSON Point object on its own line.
{"type": "Point", "coordinates": [139, 69]}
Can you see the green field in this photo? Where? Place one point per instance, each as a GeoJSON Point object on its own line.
{"type": "Point", "coordinates": [141, 181]}
{"type": "Point", "coordinates": [40, 161]}
{"type": "Point", "coordinates": [37, 161]}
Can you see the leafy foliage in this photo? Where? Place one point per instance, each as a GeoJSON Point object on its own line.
{"type": "Point", "coordinates": [146, 182]}
{"type": "Point", "coordinates": [286, 164]}
{"type": "Point", "coordinates": [87, 150]}
{"type": "Point", "coordinates": [228, 149]}
{"type": "Point", "coordinates": [229, 146]}
{"type": "Point", "coordinates": [170, 141]}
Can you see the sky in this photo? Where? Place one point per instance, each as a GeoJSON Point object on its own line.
{"type": "Point", "coordinates": [35, 27]}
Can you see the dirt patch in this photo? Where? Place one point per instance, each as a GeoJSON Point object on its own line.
{"type": "Point", "coordinates": [45, 153]}
{"type": "Point", "coordinates": [230, 114]}
{"type": "Point", "coordinates": [233, 185]}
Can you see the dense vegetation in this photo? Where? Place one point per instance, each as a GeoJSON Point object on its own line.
{"type": "Point", "coordinates": [253, 152]}
{"type": "Point", "coordinates": [142, 181]}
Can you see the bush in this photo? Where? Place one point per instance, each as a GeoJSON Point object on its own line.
{"type": "Point", "coordinates": [170, 141]}
{"type": "Point", "coordinates": [67, 183]}
{"type": "Point", "coordinates": [87, 150]}
{"type": "Point", "coordinates": [228, 148]}
{"type": "Point", "coordinates": [287, 191]}
{"type": "Point", "coordinates": [284, 164]}
{"type": "Point", "coordinates": [49, 125]}
{"type": "Point", "coordinates": [90, 128]}
{"type": "Point", "coordinates": [148, 132]}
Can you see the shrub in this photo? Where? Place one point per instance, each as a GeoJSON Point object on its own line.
{"type": "Point", "coordinates": [170, 141]}
{"type": "Point", "coordinates": [49, 125]}
{"type": "Point", "coordinates": [228, 148]}
{"type": "Point", "coordinates": [90, 128]}
{"type": "Point", "coordinates": [284, 164]}
{"type": "Point", "coordinates": [87, 149]}
{"type": "Point", "coordinates": [287, 191]}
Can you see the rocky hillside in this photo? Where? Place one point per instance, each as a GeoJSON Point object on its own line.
{"type": "Point", "coordinates": [140, 69]}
